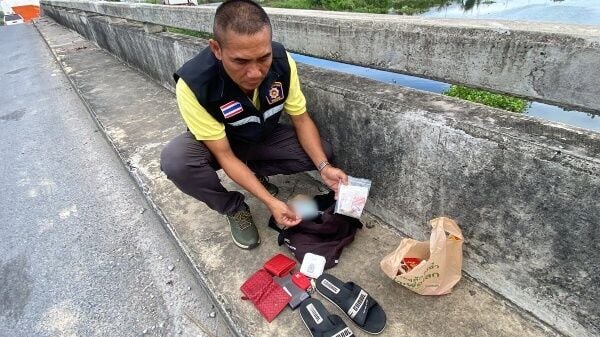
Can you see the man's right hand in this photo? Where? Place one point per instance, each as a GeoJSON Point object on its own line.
{"type": "Point", "coordinates": [283, 214]}
{"type": "Point", "coordinates": [241, 174]}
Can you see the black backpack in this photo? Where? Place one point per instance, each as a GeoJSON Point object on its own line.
{"type": "Point", "coordinates": [327, 235]}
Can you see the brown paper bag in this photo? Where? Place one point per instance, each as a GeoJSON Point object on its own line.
{"type": "Point", "coordinates": [441, 267]}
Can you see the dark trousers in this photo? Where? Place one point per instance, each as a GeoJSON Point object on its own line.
{"type": "Point", "coordinates": [192, 168]}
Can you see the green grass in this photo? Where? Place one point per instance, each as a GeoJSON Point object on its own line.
{"type": "Point", "coordinates": [408, 7]}
{"type": "Point", "coordinates": [293, 4]}
{"type": "Point", "coordinates": [189, 32]}
{"type": "Point", "coordinates": [1, 18]}
{"type": "Point", "coordinates": [412, 7]}
{"type": "Point", "coordinates": [405, 7]}
{"type": "Point", "coordinates": [494, 100]}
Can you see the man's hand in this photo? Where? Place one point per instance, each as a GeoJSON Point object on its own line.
{"type": "Point", "coordinates": [283, 214]}
{"type": "Point", "coordinates": [332, 177]}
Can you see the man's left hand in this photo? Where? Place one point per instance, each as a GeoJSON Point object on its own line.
{"type": "Point", "coordinates": [332, 177]}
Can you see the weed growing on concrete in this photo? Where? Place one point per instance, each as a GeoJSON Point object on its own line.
{"type": "Point", "coordinates": [494, 100]}
{"type": "Point", "coordinates": [190, 32]}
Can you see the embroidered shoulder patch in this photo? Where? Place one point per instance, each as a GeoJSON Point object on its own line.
{"type": "Point", "coordinates": [231, 109]}
{"type": "Point", "coordinates": [275, 93]}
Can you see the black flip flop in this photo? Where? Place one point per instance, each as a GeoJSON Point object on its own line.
{"type": "Point", "coordinates": [320, 323]}
{"type": "Point", "coordinates": [361, 308]}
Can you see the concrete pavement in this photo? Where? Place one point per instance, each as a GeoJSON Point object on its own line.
{"type": "Point", "coordinates": [81, 252]}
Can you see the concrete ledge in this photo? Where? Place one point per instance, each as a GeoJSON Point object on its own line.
{"type": "Point", "coordinates": [527, 200]}
{"type": "Point", "coordinates": [555, 63]}
{"type": "Point", "coordinates": [526, 192]}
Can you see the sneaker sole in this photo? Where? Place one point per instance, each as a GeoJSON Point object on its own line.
{"type": "Point", "coordinates": [244, 246]}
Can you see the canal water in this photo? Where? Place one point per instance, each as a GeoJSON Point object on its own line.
{"type": "Point", "coordinates": [586, 12]}
{"type": "Point", "coordinates": [566, 11]}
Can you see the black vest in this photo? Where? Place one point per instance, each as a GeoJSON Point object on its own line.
{"type": "Point", "coordinates": [226, 102]}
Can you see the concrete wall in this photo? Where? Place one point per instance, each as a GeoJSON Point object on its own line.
{"type": "Point", "coordinates": [549, 62]}
{"type": "Point", "coordinates": [525, 192]}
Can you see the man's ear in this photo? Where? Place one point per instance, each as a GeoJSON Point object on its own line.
{"type": "Point", "coordinates": [216, 49]}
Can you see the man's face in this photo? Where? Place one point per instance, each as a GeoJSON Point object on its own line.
{"type": "Point", "coordinates": [246, 58]}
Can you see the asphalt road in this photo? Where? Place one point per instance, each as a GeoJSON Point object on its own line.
{"type": "Point", "coordinates": [81, 253]}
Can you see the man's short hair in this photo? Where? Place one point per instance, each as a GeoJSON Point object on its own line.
{"type": "Point", "coordinates": [240, 16]}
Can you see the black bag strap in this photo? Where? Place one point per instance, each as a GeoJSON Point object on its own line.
{"type": "Point", "coordinates": [281, 236]}
{"type": "Point", "coordinates": [273, 225]}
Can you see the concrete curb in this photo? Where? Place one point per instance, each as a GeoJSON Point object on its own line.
{"type": "Point", "coordinates": [141, 185]}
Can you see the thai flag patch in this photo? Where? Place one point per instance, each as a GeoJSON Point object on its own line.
{"type": "Point", "coordinates": [231, 109]}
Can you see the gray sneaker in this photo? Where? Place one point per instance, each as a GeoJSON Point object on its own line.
{"type": "Point", "coordinates": [243, 230]}
{"type": "Point", "coordinates": [270, 187]}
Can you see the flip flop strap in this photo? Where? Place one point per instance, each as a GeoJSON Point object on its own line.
{"type": "Point", "coordinates": [359, 309]}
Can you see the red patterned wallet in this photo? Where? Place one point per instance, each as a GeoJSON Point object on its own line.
{"type": "Point", "coordinates": [266, 295]}
{"type": "Point", "coordinates": [279, 265]}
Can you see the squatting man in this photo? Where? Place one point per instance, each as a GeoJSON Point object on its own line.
{"type": "Point", "coordinates": [231, 97]}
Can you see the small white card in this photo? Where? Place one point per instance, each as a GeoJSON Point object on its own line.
{"type": "Point", "coordinates": [312, 265]}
